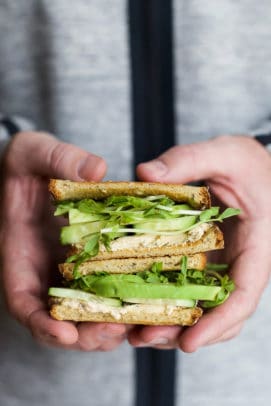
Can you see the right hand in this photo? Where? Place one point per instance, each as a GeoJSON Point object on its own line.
{"type": "Point", "coordinates": [29, 238]}
{"type": "Point", "coordinates": [237, 169]}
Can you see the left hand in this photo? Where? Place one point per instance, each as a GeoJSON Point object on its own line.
{"type": "Point", "coordinates": [238, 171]}
{"type": "Point", "coordinates": [29, 246]}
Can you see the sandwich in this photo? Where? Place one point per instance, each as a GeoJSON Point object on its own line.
{"type": "Point", "coordinates": [137, 253]}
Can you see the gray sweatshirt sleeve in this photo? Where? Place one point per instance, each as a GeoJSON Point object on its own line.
{"type": "Point", "coordinates": [10, 125]}
{"type": "Point", "coordinates": [263, 128]}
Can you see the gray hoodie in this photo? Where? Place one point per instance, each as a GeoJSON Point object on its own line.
{"type": "Point", "coordinates": [64, 66]}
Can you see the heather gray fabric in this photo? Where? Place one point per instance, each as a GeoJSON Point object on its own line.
{"type": "Point", "coordinates": [65, 67]}
{"type": "Point", "coordinates": [223, 67]}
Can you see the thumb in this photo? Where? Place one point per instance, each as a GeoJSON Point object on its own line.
{"type": "Point", "coordinates": [44, 155]}
{"type": "Point", "coordinates": [182, 164]}
{"type": "Point", "coordinates": [231, 157]}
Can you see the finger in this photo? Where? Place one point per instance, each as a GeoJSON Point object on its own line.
{"type": "Point", "coordinates": [155, 336]}
{"type": "Point", "coordinates": [101, 336]}
{"type": "Point", "coordinates": [240, 305]}
{"type": "Point", "coordinates": [26, 296]}
{"type": "Point", "coordinates": [27, 303]}
{"type": "Point", "coordinates": [228, 335]}
{"type": "Point", "coordinates": [203, 160]}
{"type": "Point", "coordinates": [49, 331]}
{"type": "Point", "coordinates": [43, 154]}
{"type": "Point", "coordinates": [182, 164]}
{"type": "Point", "coordinates": [64, 334]}
{"type": "Point", "coordinates": [29, 310]}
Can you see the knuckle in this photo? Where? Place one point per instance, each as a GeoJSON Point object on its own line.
{"type": "Point", "coordinates": [87, 346]}
{"type": "Point", "coordinates": [21, 139]}
{"type": "Point", "coordinates": [251, 307]}
{"type": "Point", "coordinates": [99, 344]}
{"type": "Point", "coordinates": [21, 146]}
{"type": "Point", "coordinates": [238, 143]}
{"type": "Point", "coordinates": [110, 345]}
{"type": "Point", "coordinates": [193, 155]}
{"type": "Point", "coordinates": [233, 333]}
{"type": "Point", "coordinates": [57, 155]}
{"type": "Point", "coordinates": [88, 343]}
{"type": "Point", "coordinates": [236, 332]}
{"type": "Point", "coordinates": [246, 302]}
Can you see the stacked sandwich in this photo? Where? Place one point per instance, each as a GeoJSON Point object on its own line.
{"type": "Point", "coordinates": [137, 253]}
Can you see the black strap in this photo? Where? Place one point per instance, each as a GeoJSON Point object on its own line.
{"type": "Point", "coordinates": [11, 127]}
{"type": "Point", "coordinates": [152, 77]}
{"type": "Point", "coordinates": [264, 139]}
{"type": "Point", "coordinates": [150, 23]}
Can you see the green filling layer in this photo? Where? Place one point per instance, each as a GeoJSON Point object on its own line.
{"type": "Point", "coordinates": [92, 222]}
{"type": "Point", "coordinates": [209, 286]}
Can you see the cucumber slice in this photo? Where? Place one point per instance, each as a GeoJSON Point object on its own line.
{"type": "Point", "coordinates": [174, 224]}
{"type": "Point", "coordinates": [76, 232]}
{"type": "Point", "coordinates": [172, 302]}
{"type": "Point", "coordinates": [77, 216]}
{"type": "Point", "coordinates": [81, 295]}
{"type": "Point", "coordinates": [182, 207]}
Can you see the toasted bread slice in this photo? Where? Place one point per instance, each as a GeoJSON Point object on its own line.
{"type": "Point", "coordinates": [148, 245]}
{"type": "Point", "coordinates": [132, 265]}
{"type": "Point", "coordinates": [197, 197]}
{"type": "Point", "coordinates": [79, 310]}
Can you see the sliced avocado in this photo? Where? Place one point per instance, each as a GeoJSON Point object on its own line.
{"type": "Point", "coordinates": [76, 232]}
{"type": "Point", "coordinates": [173, 224]}
{"type": "Point", "coordinates": [81, 295]}
{"type": "Point", "coordinates": [114, 286]}
{"type": "Point", "coordinates": [77, 216]}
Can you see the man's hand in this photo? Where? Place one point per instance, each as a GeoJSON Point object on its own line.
{"type": "Point", "coordinates": [29, 238]}
{"type": "Point", "coordinates": [238, 172]}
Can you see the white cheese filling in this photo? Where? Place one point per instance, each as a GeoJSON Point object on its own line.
{"type": "Point", "coordinates": [136, 242]}
{"type": "Point", "coordinates": [116, 312]}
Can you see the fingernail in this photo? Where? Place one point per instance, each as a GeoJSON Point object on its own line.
{"type": "Point", "coordinates": [159, 340]}
{"type": "Point", "coordinates": [83, 168]}
{"type": "Point", "coordinates": [87, 166]}
{"type": "Point", "coordinates": [157, 166]}
{"type": "Point", "coordinates": [155, 341]}
{"type": "Point", "coordinates": [112, 336]}
{"type": "Point", "coordinates": [48, 338]}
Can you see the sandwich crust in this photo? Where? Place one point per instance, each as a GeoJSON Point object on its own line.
{"type": "Point", "coordinates": [197, 197]}
{"type": "Point", "coordinates": [131, 254]}
{"type": "Point", "coordinates": [132, 265]}
{"type": "Point", "coordinates": [79, 310]}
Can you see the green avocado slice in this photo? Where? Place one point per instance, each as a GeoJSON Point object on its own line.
{"type": "Point", "coordinates": [115, 286]}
